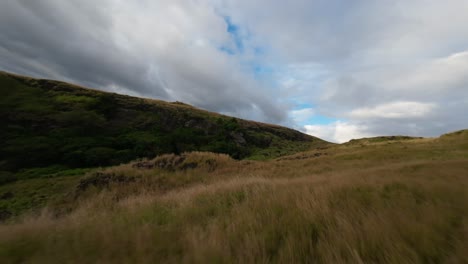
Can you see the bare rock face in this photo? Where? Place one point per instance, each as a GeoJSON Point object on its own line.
{"type": "Point", "coordinates": [203, 125]}
{"type": "Point", "coordinates": [167, 162]}
{"type": "Point", "coordinates": [102, 180]}
{"type": "Point", "coordinates": [183, 162]}
{"type": "Point", "coordinates": [238, 138]}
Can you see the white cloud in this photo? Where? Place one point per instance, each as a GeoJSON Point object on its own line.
{"type": "Point", "coordinates": [398, 110]}
{"type": "Point", "coordinates": [438, 76]}
{"type": "Point", "coordinates": [302, 115]}
{"type": "Point", "coordinates": [338, 131]}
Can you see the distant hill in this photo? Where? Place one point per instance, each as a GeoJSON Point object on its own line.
{"type": "Point", "coordinates": [51, 123]}
{"type": "Point", "coordinates": [381, 139]}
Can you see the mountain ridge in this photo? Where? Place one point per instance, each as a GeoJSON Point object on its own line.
{"type": "Point", "coordinates": [88, 128]}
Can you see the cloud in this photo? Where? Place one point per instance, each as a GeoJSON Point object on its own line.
{"type": "Point", "coordinates": [302, 115]}
{"type": "Point", "coordinates": [381, 67]}
{"type": "Point", "coordinates": [398, 110]}
{"type": "Point", "coordinates": [422, 98]}
{"type": "Point", "coordinates": [163, 49]}
{"type": "Point", "coordinates": [338, 132]}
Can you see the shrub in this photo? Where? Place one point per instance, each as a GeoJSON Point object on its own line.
{"type": "Point", "coordinates": [6, 177]}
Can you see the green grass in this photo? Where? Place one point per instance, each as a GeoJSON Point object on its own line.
{"type": "Point", "coordinates": [33, 194]}
{"type": "Point", "coordinates": [404, 202]}
{"type": "Point", "coordinates": [281, 148]}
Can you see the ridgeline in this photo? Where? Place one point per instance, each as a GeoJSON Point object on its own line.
{"type": "Point", "coordinates": [56, 125]}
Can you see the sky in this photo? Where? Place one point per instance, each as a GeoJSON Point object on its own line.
{"type": "Point", "coordinates": [334, 69]}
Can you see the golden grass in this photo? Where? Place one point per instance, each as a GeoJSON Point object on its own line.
{"type": "Point", "coordinates": [399, 202]}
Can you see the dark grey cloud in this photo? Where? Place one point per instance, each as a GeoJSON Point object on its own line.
{"type": "Point", "coordinates": [68, 40]}
{"type": "Point", "coordinates": [165, 49]}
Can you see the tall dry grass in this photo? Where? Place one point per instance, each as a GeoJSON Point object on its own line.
{"type": "Point", "coordinates": [379, 203]}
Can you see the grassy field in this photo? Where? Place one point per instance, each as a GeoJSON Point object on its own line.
{"type": "Point", "coordinates": [385, 200]}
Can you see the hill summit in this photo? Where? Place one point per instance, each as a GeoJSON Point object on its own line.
{"type": "Point", "coordinates": [47, 123]}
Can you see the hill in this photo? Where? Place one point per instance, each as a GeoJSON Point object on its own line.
{"type": "Point", "coordinates": [391, 200]}
{"type": "Point", "coordinates": [55, 126]}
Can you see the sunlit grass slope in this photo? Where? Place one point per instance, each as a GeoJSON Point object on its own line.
{"type": "Point", "coordinates": [371, 201]}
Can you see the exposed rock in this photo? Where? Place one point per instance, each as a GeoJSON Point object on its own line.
{"type": "Point", "coordinates": [190, 123]}
{"type": "Point", "coordinates": [103, 180]}
{"type": "Point", "coordinates": [165, 162]}
{"type": "Point", "coordinates": [212, 164]}
{"type": "Point", "coordinates": [238, 138]}
{"type": "Point", "coordinates": [169, 163]}
{"type": "Point", "coordinates": [177, 163]}
{"type": "Point", "coordinates": [144, 165]}
{"type": "Point", "coordinates": [190, 165]}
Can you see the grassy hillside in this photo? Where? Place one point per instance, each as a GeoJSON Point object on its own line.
{"type": "Point", "coordinates": [391, 200]}
{"type": "Point", "coordinates": [50, 126]}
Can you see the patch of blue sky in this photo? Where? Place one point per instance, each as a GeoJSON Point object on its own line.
{"type": "Point", "coordinates": [260, 69]}
{"type": "Point", "coordinates": [319, 120]}
{"type": "Point", "coordinates": [305, 113]}
{"type": "Point", "coordinates": [235, 32]}
{"type": "Point", "coordinates": [303, 118]}
{"type": "Point", "coordinates": [259, 51]}
{"type": "Point", "coordinates": [241, 45]}
{"type": "Point", "coordinates": [227, 50]}
{"type": "Point", "coordinates": [302, 105]}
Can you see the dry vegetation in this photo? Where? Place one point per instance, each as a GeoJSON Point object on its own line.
{"type": "Point", "coordinates": [375, 201]}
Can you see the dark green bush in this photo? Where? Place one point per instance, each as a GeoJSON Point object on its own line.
{"type": "Point", "coordinates": [7, 177]}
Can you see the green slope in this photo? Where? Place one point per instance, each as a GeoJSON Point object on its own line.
{"type": "Point", "coordinates": [57, 126]}
{"type": "Point", "coordinates": [391, 200]}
